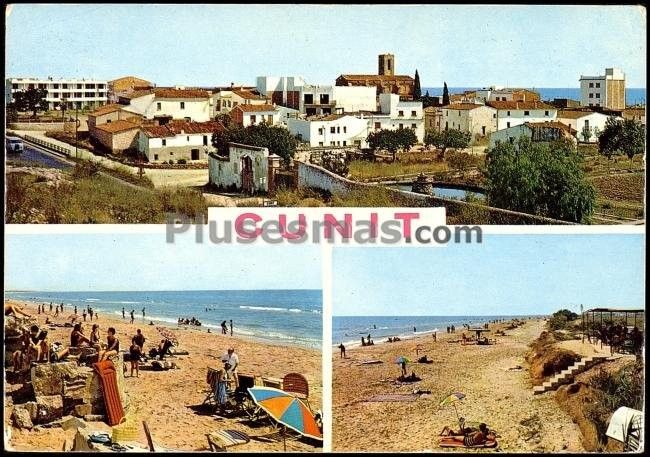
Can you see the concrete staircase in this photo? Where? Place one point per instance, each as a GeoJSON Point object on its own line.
{"type": "Point", "coordinates": [566, 376]}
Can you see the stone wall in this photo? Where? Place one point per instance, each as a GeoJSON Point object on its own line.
{"type": "Point", "coordinates": [458, 212]}
{"type": "Point", "coordinates": [40, 126]}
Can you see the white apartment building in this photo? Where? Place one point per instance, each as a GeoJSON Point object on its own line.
{"type": "Point", "coordinates": [579, 119]}
{"type": "Point", "coordinates": [510, 114]}
{"type": "Point", "coordinates": [327, 99]}
{"type": "Point", "coordinates": [185, 104]}
{"type": "Point", "coordinates": [477, 119]}
{"type": "Point", "coordinates": [607, 91]}
{"type": "Point", "coordinates": [75, 93]}
{"type": "Point", "coordinates": [282, 90]}
{"type": "Point", "coordinates": [397, 114]}
{"type": "Point", "coordinates": [330, 130]}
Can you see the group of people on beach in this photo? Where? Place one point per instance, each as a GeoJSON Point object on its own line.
{"type": "Point", "coordinates": [224, 328]}
{"type": "Point", "coordinates": [132, 314]}
{"type": "Point", "coordinates": [368, 342]}
{"type": "Point", "coordinates": [191, 321]}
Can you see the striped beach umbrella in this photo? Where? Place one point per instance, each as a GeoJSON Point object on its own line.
{"type": "Point", "coordinates": [286, 410]}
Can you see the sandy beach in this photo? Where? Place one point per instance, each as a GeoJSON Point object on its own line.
{"type": "Point", "coordinates": [495, 394]}
{"type": "Point", "coordinates": [164, 398]}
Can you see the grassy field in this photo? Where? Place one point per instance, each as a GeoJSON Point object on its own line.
{"type": "Point", "coordinates": [84, 198]}
{"type": "Point", "coordinates": [361, 170]}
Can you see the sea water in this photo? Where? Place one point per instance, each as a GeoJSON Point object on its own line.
{"type": "Point", "coordinates": [349, 329]}
{"type": "Point", "coordinates": [282, 316]}
{"type": "Point", "coordinates": [633, 95]}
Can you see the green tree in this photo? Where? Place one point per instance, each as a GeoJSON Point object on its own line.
{"type": "Point", "coordinates": [450, 138]}
{"type": "Point", "coordinates": [392, 140]}
{"type": "Point", "coordinates": [586, 133]}
{"type": "Point", "coordinates": [225, 119]}
{"type": "Point", "coordinates": [277, 139]}
{"type": "Point", "coordinates": [12, 112]}
{"type": "Point", "coordinates": [31, 100]}
{"type": "Point", "coordinates": [546, 179]}
{"type": "Point", "coordinates": [621, 136]}
{"type": "Point", "coordinates": [445, 95]}
{"type": "Point", "coordinates": [417, 90]}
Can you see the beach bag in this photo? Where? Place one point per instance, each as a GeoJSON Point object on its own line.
{"type": "Point", "coordinates": [128, 430]}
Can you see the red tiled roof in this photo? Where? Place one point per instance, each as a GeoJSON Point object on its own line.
{"type": "Point", "coordinates": [552, 124]}
{"type": "Point", "coordinates": [573, 114]}
{"type": "Point", "coordinates": [379, 77]}
{"type": "Point", "coordinates": [106, 109]}
{"type": "Point", "coordinates": [137, 94]}
{"type": "Point", "coordinates": [520, 105]}
{"type": "Point", "coordinates": [248, 95]}
{"type": "Point", "coordinates": [176, 127]}
{"type": "Point", "coordinates": [255, 108]}
{"type": "Point", "coordinates": [117, 126]}
{"type": "Point", "coordinates": [463, 106]}
{"type": "Point", "coordinates": [181, 93]}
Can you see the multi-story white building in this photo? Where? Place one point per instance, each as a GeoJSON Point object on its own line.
{"type": "Point", "coordinates": [183, 104]}
{"type": "Point", "coordinates": [510, 114]}
{"type": "Point", "coordinates": [478, 120]}
{"type": "Point", "coordinates": [397, 114]}
{"type": "Point", "coordinates": [607, 91]}
{"type": "Point", "coordinates": [282, 90]}
{"type": "Point", "coordinates": [323, 100]}
{"type": "Point", "coordinates": [330, 130]}
{"type": "Point", "coordinates": [74, 93]}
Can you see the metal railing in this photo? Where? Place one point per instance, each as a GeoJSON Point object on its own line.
{"type": "Point", "coordinates": [47, 144]}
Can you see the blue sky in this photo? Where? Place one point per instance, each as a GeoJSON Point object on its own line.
{"type": "Point", "coordinates": [106, 262]}
{"type": "Point", "coordinates": [507, 274]}
{"type": "Point", "coordinates": [530, 46]}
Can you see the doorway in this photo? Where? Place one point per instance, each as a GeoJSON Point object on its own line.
{"type": "Point", "coordinates": [247, 182]}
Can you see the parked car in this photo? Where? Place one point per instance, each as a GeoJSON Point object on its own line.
{"type": "Point", "coordinates": [14, 145]}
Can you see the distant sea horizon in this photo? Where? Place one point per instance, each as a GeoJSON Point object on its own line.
{"type": "Point", "coordinates": [633, 95]}
{"type": "Point", "coordinates": [349, 329]}
{"type": "Point", "coordinates": [284, 316]}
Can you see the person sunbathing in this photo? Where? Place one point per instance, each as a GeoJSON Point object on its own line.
{"type": "Point", "coordinates": [112, 347]}
{"type": "Point", "coordinates": [447, 431]}
{"type": "Point", "coordinates": [14, 310]}
{"type": "Point", "coordinates": [473, 438]}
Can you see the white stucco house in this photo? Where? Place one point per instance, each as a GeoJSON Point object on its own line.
{"type": "Point", "coordinates": [330, 130]}
{"type": "Point", "coordinates": [581, 119]}
{"type": "Point", "coordinates": [177, 140]}
{"type": "Point", "coordinates": [511, 113]}
{"type": "Point", "coordinates": [246, 115]}
{"type": "Point", "coordinates": [323, 100]}
{"type": "Point", "coordinates": [192, 105]}
{"type": "Point", "coordinates": [477, 119]}
{"type": "Point", "coordinates": [396, 114]}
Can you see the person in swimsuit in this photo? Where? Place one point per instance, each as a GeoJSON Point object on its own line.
{"type": "Point", "coordinates": [112, 347]}
{"type": "Point", "coordinates": [77, 337]}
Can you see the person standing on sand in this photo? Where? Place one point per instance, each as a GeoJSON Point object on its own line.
{"type": "Point", "coordinates": [342, 348]}
{"type": "Point", "coordinates": [84, 314]}
{"type": "Point", "coordinates": [50, 306]}
{"type": "Point", "coordinates": [224, 328]}
{"type": "Point", "coordinates": [90, 313]}
{"type": "Point", "coordinates": [123, 315]}
{"type": "Point", "coordinates": [132, 315]}
{"type": "Point", "coordinates": [75, 309]}
{"type": "Point", "coordinates": [230, 327]}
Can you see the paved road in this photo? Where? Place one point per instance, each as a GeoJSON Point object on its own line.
{"type": "Point", "coordinates": [34, 156]}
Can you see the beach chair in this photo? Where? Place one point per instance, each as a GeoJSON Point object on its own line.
{"type": "Point", "coordinates": [297, 385]}
{"type": "Point", "coordinates": [221, 440]}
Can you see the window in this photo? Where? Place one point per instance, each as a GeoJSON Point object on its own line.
{"type": "Point", "coordinates": [182, 105]}
{"type": "Point", "coordinates": [507, 124]}
{"type": "Point", "coordinates": [321, 131]}
{"type": "Point", "coordinates": [14, 86]}
{"type": "Point", "coordinates": [158, 106]}
{"type": "Point", "coordinates": [64, 86]}
{"type": "Point", "coordinates": [591, 84]}
{"type": "Point", "coordinates": [597, 85]}
{"type": "Point", "coordinates": [41, 86]}
{"type": "Point", "coordinates": [526, 113]}
{"type": "Point", "coordinates": [320, 143]}
{"type": "Point", "coordinates": [269, 118]}
{"type": "Point", "coordinates": [164, 142]}
{"type": "Point", "coordinates": [90, 86]}
{"type": "Point", "coordinates": [508, 113]}
{"type": "Point", "coordinates": [338, 143]}
{"type": "Point", "coordinates": [253, 119]}
{"type": "Point", "coordinates": [345, 129]}
{"type": "Point", "coordinates": [309, 99]}
{"type": "Point", "coordinates": [79, 86]}
{"type": "Point", "coordinates": [458, 113]}
{"type": "Point", "coordinates": [414, 126]}
{"type": "Point", "coordinates": [188, 138]}
{"type": "Point", "coordinates": [55, 95]}
{"type": "Point", "coordinates": [400, 113]}
{"type": "Point", "coordinates": [324, 99]}
{"type": "Point", "coordinates": [591, 95]}
{"type": "Point", "coordinates": [108, 121]}
{"type": "Point", "coordinates": [545, 113]}
{"type": "Point", "coordinates": [338, 129]}
{"type": "Point", "coordinates": [345, 143]}
{"type": "Point", "coordinates": [401, 126]}
{"type": "Point", "coordinates": [332, 143]}
{"type": "Point", "coordinates": [155, 157]}
{"type": "Point", "coordinates": [332, 129]}
{"type": "Point", "coordinates": [414, 113]}
{"type": "Point", "coordinates": [597, 95]}
{"type": "Point", "coordinates": [205, 140]}
{"type": "Point", "coordinates": [377, 125]}
{"type": "Point", "coordinates": [56, 86]}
